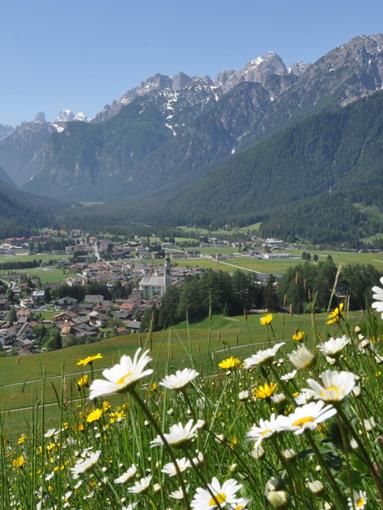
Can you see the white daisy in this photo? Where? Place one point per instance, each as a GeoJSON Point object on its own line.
{"type": "Point", "coordinates": [179, 435]}
{"type": "Point", "coordinates": [141, 485]}
{"type": "Point", "coordinates": [51, 432]}
{"type": "Point", "coordinates": [278, 398]}
{"type": "Point", "coordinates": [265, 429]}
{"type": "Point", "coordinates": [377, 294]}
{"type": "Point", "coordinates": [225, 494]}
{"type": "Point", "coordinates": [180, 379]}
{"type": "Point", "coordinates": [359, 500]}
{"type": "Point", "coordinates": [240, 504]}
{"type": "Point", "coordinates": [301, 358]}
{"type": "Point", "coordinates": [128, 475]}
{"type": "Point", "coordinates": [333, 347]}
{"type": "Point", "coordinates": [131, 506]}
{"type": "Point", "coordinates": [177, 494]}
{"type": "Point", "coordinates": [170, 468]}
{"type": "Point", "coordinates": [336, 386]}
{"type": "Point", "coordinates": [122, 375]}
{"type": "Point", "coordinates": [198, 459]}
{"type": "Point", "coordinates": [85, 464]}
{"type": "Point", "coordinates": [304, 397]}
{"type": "Point", "coordinates": [289, 376]}
{"type": "Point", "coordinates": [308, 417]}
{"type": "Point", "coordinates": [262, 357]}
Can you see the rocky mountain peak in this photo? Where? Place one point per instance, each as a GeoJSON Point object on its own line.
{"type": "Point", "coordinates": [40, 118]}
{"type": "Point", "coordinates": [258, 70]}
{"type": "Point", "coordinates": [67, 115]}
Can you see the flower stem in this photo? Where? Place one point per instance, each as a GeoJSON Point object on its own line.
{"type": "Point", "coordinates": [325, 467]}
{"type": "Point", "coordinates": [374, 474]}
{"type": "Point", "coordinates": [157, 428]}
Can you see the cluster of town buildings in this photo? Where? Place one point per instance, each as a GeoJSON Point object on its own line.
{"type": "Point", "coordinates": [26, 304]}
{"type": "Point", "coordinates": [144, 268]}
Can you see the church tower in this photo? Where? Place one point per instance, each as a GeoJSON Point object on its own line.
{"type": "Point", "coordinates": [167, 274]}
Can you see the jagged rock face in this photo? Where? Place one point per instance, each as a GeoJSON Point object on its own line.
{"type": "Point", "coordinates": [20, 151]}
{"type": "Point", "coordinates": [195, 89]}
{"type": "Point", "coordinates": [5, 131]}
{"type": "Point", "coordinates": [258, 70]}
{"type": "Point", "coordinates": [345, 74]}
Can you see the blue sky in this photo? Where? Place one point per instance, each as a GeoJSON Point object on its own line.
{"type": "Point", "coordinates": [81, 54]}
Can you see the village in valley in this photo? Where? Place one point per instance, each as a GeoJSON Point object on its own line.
{"type": "Point", "coordinates": [103, 288]}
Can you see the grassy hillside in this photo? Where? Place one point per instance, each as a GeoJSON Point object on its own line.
{"type": "Point", "coordinates": [85, 461]}
{"type": "Point", "coordinates": [23, 378]}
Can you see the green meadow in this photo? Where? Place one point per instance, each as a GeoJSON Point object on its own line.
{"type": "Point", "coordinates": [37, 256]}
{"type": "Point", "coordinates": [203, 344]}
{"type": "Point", "coordinates": [274, 266]}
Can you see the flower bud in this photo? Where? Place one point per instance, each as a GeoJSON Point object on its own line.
{"type": "Point", "coordinates": [278, 499]}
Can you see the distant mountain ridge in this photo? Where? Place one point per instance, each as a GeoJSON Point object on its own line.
{"type": "Point", "coordinates": [170, 131]}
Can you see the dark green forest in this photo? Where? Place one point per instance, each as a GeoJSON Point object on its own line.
{"type": "Point", "coordinates": [302, 182]}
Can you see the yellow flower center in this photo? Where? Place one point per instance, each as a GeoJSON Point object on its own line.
{"type": "Point", "coordinates": [360, 502]}
{"type": "Point", "coordinates": [265, 432]}
{"type": "Point", "coordinates": [334, 392]}
{"type": "Point", "coordinates": [123, 378]}
{"type": "Point", "coordinates": [303, 421]}
{"type": "Point", "coordinates": [217, 500]}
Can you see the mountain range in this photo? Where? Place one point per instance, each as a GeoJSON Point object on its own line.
{"type": "Point", "coordinates": [204, 150]}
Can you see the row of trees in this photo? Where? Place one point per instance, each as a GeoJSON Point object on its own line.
{"type": "Point", "coordinates": [306, 283]}
{"type": "Point", "coordinates": [20, 264]}
{"type": "Point", "coordinates": [211, 292]}
{"type": "Point", "coordinates": [118, 291]}
{"type": "Point", "coordinates": [302, 286]}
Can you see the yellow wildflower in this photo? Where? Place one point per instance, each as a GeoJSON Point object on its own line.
{"type": "Point", "coordinates": [298, 335]}
{"type": "Point", "coordinates": [89, 359]}
{"type": "Point", "coordinates": [264, 391]}
{"type": "Point", "coordinates": [50, 447]}
{"type": "Point", "coordinates": [22, 439]}
{"type": "Point", "coordinates": [229, 363]}
{"type": "Point", "coordinates": [80, 427]}
{"type": "Point", "coordinates": [83, 381]}
{"type": "Point", "coordinates": [153, 387]}
{"type": "Point", "coordinates": [266, 319]}
{"type": "Point", "coordinates": [18, 462]}
{"type": "Point", "coordinates": [106, 406]}
{"type": "Point", "coordinates": [116, 416]}
{"type": "Point", "coordinates": [94, 415]}
{"type": "Point", "coordinates": [335, 316]}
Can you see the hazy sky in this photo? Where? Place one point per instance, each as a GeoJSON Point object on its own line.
{"type": "Point", "coordinates": [81, 54]}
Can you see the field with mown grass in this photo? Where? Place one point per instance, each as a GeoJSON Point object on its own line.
{"type": "Point", "coordinates": [46, 274]}
{"type": "Point", "coordinates": [273, 266]}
